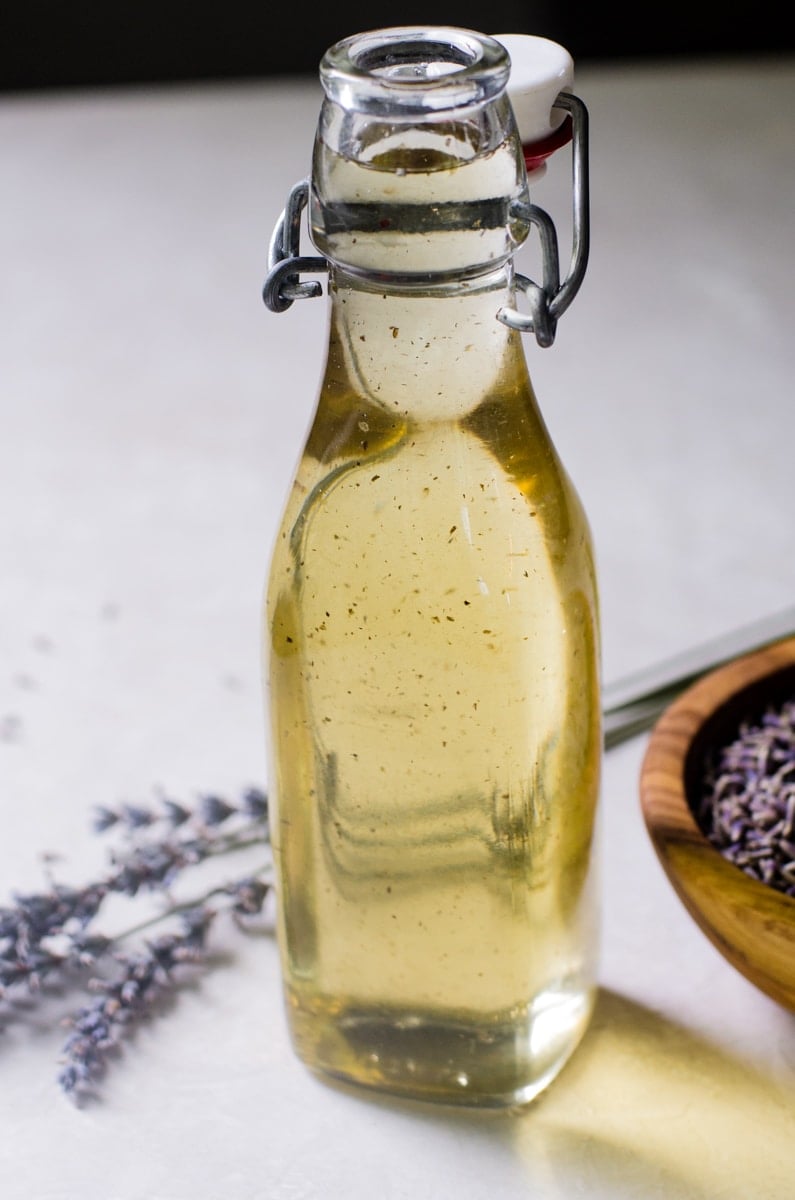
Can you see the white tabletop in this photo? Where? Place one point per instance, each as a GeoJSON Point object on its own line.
{"type": "Point", "coordinates": [152, 411]}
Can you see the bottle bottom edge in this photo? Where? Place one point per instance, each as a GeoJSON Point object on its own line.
{"type": "Point", "coordinates": [496, 1065]}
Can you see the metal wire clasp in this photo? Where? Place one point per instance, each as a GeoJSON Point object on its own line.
{"type": "Point", "coordinates": [549, 299]}
{"type": "Point", "coordinates": [282, 283]}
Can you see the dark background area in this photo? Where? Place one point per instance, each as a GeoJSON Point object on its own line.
{"type": "Point", "coordinates": [86, 43]}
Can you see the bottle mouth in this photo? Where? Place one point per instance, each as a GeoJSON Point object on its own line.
{"type": "Point", "coordinates": [414, 70]}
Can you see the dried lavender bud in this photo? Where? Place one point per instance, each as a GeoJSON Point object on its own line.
{"type": "Point", "coordinates": [137, 817]}
{"type": "Point", "coordinates": [176, 814]}
{"type": "Point", "coordinates": [41, 914]}
{"type": "Point", "coordinates": [26, 967]}
{"type": "Point", "coordinates": [255, 804]}
{"type": "Point", "coordinates": [30, 968]}
{"type": "Point", "coordinates": [214, 811]}
{"type": "Point", "coordinates": [747, 807]}
{"type": "Point", "coordinates": [86, 949]}
{"type": "Point", "coordinates": [104, 818]}
{"type": "Point", "coordinates": [249, 896]}
{"type": "Point", "coordinates": [27, 933]}
{"type": "Point", "coordinates": [153, 866]}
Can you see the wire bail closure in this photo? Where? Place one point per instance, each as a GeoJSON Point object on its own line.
{"type": "Point", "coordinates": [547, 301]}
{"type": "Point", "coordinates": [282, 283]}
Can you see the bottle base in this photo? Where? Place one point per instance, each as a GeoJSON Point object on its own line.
{"type": "Point", "coordinates": [486, 1065]}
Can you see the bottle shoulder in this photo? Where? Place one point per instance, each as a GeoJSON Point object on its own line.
{"type": "Point", "coordinates": [423, 356]}
{"type": "Point", "coordinates": [495, 475]}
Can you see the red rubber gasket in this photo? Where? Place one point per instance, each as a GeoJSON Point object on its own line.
{"type": "Point", "coordinates": [536, 153]}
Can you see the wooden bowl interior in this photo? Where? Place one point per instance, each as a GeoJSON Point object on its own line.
{"type": "Point", "coordinates": [749, 703]}
{"type": "Point", "coordinates": [752, 924]}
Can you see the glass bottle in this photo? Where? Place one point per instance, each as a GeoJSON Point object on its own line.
{"type": "Point", "coordinates": [431, 641]}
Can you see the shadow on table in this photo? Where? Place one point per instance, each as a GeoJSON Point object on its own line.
{"type": "Point", "coordinates": [654, 1110]}
{"type": "Point", "coordinates": [645, 1108]}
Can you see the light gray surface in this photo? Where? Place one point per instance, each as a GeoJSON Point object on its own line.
{"type": "Point", "coordinates": [152, 411]}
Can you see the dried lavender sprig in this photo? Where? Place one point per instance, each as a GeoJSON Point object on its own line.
{"type": "Point", "coordinates": [245, 898]}
{"type": "Point", "coordinates": [210, 811]}
{"type": "Point", "coordinates": [46, 933]}
{"type": "Point", "coordinates": [36, 918]}
{"type": "Point", "coordinates": [98, 1027]}
{"type": "Point", "coordinates": [150, 862]}
{"type": "Point", "coordinates": [120, 1003]}
{"type": "Point", "coordinates": [214, 826]}
{"type": "Point", "coordinates": [37, 915]}
{"type": "Point", "coordinates": [748, 803]}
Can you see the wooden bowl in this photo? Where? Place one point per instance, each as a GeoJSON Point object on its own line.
{"type": "Point", "coordinates": [752, 924]}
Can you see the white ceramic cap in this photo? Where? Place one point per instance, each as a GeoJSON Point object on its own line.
{"type": "Point", "coordinates": [540, 69]}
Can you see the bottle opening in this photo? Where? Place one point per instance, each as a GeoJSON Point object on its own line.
{"type": "Point", "coordinates": [414, 69]}
{"type": "Point", "coordinates": [411, 56]}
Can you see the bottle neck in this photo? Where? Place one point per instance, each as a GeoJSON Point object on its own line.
{"type": "Point", "coordinates": [417, 165]}
{"type": "Point", "coordinates": [409, 224]}
{"type": "Point", "coordinates": [429, 352]}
